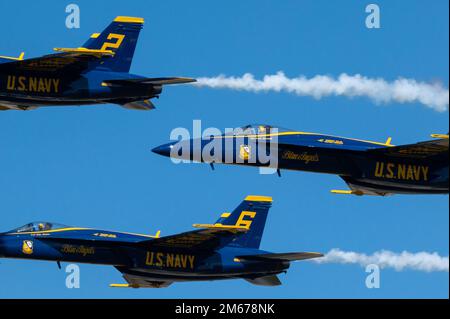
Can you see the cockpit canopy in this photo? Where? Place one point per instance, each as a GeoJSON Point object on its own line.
{"type": "Point", "coordinates": [259, 129]}
{"type": "Point", "coordinates": [38, 226]}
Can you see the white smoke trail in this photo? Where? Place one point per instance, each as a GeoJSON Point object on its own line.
{"type": "Point", "coordinates": [421, 261]}
{"type": "Point", "coordinates": [402, 90]}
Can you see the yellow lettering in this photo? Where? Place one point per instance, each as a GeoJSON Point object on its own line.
{"type": "Point", "coordinates": [410, 173]}
{"type": "Point", "coordinates": [21, 86]}
{"type": "Point", "coordinates": [41, 87]}
{"type": "Point", "coordinates": [425, 170]}
{"type": "Point", "coordinates": [184, 261]}
{"type": "Point", "coordinates": [390, 168]}
{"type": "Point", "coordinates": [191, 261]}
{"type": "Point", "coordinates": [169, 260]}
{"type": "Point", "coordinates": [177, 261]}
{"type": "Point", "coordinates": [32, 84]}
{"type": "Point", "coordinates": [48, 85]}
{"type": "Point", "coordinates": [149, 259]}
{"type": "Point", "coordinates": [379, 169]}
{"type": "Point", "coordinates": [56, 85]}
{"type": "Point", "coordinates": [11, 82]}
{"type": "Point", "coordinates": [401, 171]}
{"type": "Point", "coordinates": [416, 172]}
{"type": "Point", "coordinates": [159, 259]}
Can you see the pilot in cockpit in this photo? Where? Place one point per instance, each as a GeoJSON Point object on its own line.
{"type": "Point", "coordinates": [44, 226]}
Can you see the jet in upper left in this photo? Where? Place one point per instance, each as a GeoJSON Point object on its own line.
{"type": "Point", "coordinates": [96, 73]}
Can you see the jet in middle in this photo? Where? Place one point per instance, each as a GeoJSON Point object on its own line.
{"type": "Point", "coordinates": [369, 168]}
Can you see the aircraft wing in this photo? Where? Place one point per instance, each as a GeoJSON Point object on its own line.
{"type": "Point", "coordinates": [149, 81]}
{"type": "Point", "coordinates": [202, 239]}
{"type": "Point", "coordinates": [69, 59]}
{"type": "Point", "coordinates": [280, 257]}
{"type": "Point", "coordinates": [426, 149]}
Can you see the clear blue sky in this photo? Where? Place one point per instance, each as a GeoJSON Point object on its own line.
{"type": "Point", "coordinates": [92, 166]}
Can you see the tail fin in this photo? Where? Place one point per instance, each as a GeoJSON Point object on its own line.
{"type": "Point", "coordinates": [251, 213]}
{"type": "Point", "coordinates": [120, 37]}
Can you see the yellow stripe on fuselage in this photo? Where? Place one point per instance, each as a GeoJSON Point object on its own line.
{"type": "Point", "coordinates": [75, 229]}
{"type": "Point", "coordinates": [300, 133]}
{"type": "Point", "coordinates": [140, 235]}
{"type": "Point", "coordinates": [48, 231]}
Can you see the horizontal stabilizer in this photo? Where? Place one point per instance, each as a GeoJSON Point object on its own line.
{"type": "Point", "coordinates": [280, 257]}
{"type": "Point", "coordinates": [149, 81]}
{"type": "Point", "coordinates": [265, 281]}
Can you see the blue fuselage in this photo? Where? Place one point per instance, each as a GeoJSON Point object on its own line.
{"type": "Point", "coordinates": [123, 251]}
{"type": "Point", "coordinates": [349, 158]}
{"type": "Point", "coordinates": [27, 89]}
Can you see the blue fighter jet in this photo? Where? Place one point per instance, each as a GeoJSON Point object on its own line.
{"type": "Point", "coordinates": [227, 249]}
{"type": "Point", "coordinates": [96, 73]}
{"type": "Point", "coordinates": [368, 168]}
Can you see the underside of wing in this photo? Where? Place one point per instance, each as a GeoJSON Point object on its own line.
{"type": "Point", "coordinates": [145, 105]}
{"type": "Point", "coordinates": [135, 281]}
{"type": "Point", "coordinates": [359, 188]}
{"type": "Point", "coordinates": [270, 281]}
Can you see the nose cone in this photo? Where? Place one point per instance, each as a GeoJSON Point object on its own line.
{"type": "Point", "coordinates": [163, 150]}
{"type": "Point", "coordinates": [180, 150]}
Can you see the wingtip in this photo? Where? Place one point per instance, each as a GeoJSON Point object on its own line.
{"type": "Point", "coordinates": [442, 136]}
{"type": "Point", "coordinates": [347, 192]}
{"type": "Point", "coordinates": [119, 285]}
{"type": "Point", "coordinates": [123, 286]}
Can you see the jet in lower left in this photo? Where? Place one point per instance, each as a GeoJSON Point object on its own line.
{"type": "Point", "coordinates": [96, 73]}
{"type": "Point", "coordinates": [227, 249]}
